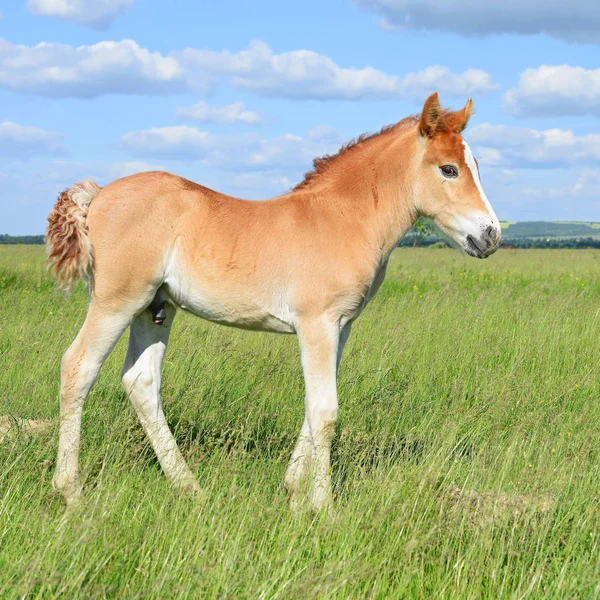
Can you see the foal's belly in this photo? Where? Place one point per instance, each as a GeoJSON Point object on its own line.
{"type": "Point", "coordinates": [232, 309]}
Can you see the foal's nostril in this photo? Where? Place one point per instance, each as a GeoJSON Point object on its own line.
{"type": "Point", "coordinates": [491, 235]}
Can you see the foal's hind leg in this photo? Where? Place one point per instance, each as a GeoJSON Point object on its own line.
{"type": "Point", "coordinates": [141, 379]}
{"type": "Point", "coordinates": [79, 368]}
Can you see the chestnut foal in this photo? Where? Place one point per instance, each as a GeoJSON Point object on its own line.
{"type": "Point", "coordinates": [306, 263]}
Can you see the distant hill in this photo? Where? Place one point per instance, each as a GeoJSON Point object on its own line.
{"type": "Point", "coordinates": [549, 229]}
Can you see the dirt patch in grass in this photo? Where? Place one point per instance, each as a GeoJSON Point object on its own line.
{"type": "Point", "coordinates": [487, 507]}
{"type": "Point", "coordinates": [10, 424]}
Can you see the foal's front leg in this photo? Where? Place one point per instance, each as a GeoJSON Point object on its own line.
{"type": "Point", "coordinates": [319, 343]}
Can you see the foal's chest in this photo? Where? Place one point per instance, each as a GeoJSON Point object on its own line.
{"type": "Point", "coordinates": [372, 288]}
{"type": "Point", "coordinates": [377, 281]}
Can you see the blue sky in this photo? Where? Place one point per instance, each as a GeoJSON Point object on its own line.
{"type": "Point", "coordinates": [240, 96]}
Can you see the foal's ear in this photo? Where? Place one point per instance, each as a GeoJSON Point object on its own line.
{"type": "Point", "coordinates": [432, 111]}
{"type": "Point", "coordinates": [459, 119]}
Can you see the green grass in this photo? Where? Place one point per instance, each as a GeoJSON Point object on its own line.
{"type": "Point", "coordinates": [484, 374]}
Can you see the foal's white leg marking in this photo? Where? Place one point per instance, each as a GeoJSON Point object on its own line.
{"type": "Point", "coordinates": [141, 377]}
{"type": "Point", "coordinates": [319, 343]}
{"type": "Point", "coordinates": [299, 466]}
{"type": "Point", "coordinates": [470, 160]}
{"type": "Point", "coordinates": [300, 463]}
{"type": "Point", "coordinates": [79, 368]}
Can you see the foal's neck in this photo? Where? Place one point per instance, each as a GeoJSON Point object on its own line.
{"type": "Point", "coordinates": [372, 187]}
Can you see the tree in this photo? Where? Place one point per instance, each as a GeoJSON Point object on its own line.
{"type": "Point", "coordinates": [422, 230]}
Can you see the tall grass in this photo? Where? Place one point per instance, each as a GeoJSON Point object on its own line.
{"type": "Point", "coordinates": [482, 374]}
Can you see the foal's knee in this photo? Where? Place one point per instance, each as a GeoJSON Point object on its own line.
{"type": "Point", "coordinates": [72, 382]}
{"type": "Point", "coordinates": [70, 360]}
{"type": "Point", "coordinates": [137, 379]}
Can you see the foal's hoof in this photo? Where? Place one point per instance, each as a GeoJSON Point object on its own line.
{"type": "Point", "coordinates": [303, 504]}
{"type": "Point", "coordinates": [70, 492]}
{"type": "Point", "coordinates": [189, 487]}
{"type": "Point", "coordinates": [322, 504]}
{"type": "Point", "coordinates": [327, 510]}
{"type": "Point", "coordinates": [299, 505]}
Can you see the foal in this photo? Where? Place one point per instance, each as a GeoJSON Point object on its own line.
{"type": "Point", "coordinates": [306, 263]}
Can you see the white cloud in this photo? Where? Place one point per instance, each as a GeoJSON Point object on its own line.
{"type": "Point", "coordinates": [296, 74]}
{"type": "Point", "coordinates": [97, 14]}
{"type": "Point", "coordinates": [180, 141]}
{"type": "Point", "coordinates": [249, 151]}
{"type": "Point", "coordinates": [524, 147]}
{"type": "Point", "coordinates": [585, 185]}
{"type": "Point", "coordinates": [570, 21]}
{"type": "Point", "coordinates": [64, 172]}
{"type": "Point", "coordinates": [489, 156]}
{"type": "Point", "coordinates": [555, 91]}
{"type": "Point", "coordinates": [325, 134]}
{"type": "Point", "coordinates": [541, 196]}
{"type": "Point", "coordinates": [223, 113]}
{"type": "Point", "coordinates": [441, 79]}
{"type": "Point", "coordinates": [22, 141]}
{"type": "Point", "coordinates": [306, 74]}
{"type": "Point", "coordinates": [60, 70]}
{"type": "Point", "coordinates": [576, 199]}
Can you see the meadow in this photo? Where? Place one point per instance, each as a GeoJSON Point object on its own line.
{"type": "Point", "coordinates": [466, 463]}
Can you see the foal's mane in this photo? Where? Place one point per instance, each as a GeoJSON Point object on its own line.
{"type": "Point", "coordinates": [322, 163]}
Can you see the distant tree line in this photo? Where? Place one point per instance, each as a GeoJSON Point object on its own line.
{"type": "Point", "coordinates": [415, 240]}
{"type": "Point", "coordinates": [21, 239]}
{"type": "Point", "coordinates": [582, 242]}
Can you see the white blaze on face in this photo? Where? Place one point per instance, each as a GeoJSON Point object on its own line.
{"type": "Point", "coordinates": [470, 160]}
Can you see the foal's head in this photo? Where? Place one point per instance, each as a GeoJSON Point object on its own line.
{"type": "Point", "coordinates": [448, 185]}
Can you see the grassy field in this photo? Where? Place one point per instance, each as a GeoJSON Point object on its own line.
{"type": "Point", "coordinates": [479, 376]}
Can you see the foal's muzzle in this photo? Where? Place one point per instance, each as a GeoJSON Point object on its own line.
{"type": "Point", "coordinates": [485, 244]}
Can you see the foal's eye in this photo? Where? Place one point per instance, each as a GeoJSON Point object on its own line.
{"type": "Point", "coordinates": [449, 171]}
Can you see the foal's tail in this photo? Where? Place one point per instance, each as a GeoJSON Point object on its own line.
{"type": "Point", "coordinates": [67, 240]}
